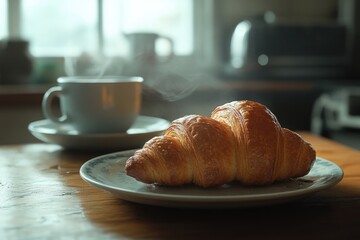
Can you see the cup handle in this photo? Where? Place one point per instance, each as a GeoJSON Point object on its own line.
{"type": "Point", "coordinates": [47, 105]}
{"type": "Point", "coordinates": [171, 51]}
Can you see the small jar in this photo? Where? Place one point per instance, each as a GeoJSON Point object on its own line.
{"type": "Point", "coordinates": [15, 62]}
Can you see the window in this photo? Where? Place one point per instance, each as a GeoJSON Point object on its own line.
{"type": "Point", "coordinates": [3, 19]}
{"type": "Point", "coordinates": [171, 18]}
{"type": "Point", "coordinates": [59, 27]}
{"type": "Point", "coordinates": [67, 27]}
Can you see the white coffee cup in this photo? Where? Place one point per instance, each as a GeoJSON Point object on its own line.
{"type": "Point", "coordinates": [107, 104]}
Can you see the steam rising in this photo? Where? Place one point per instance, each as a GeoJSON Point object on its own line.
{"type": "Point", "coordinates": [172, 84]}
{"type": "Point", "coordinates": [89, 65]}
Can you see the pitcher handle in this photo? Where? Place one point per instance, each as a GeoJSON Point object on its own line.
{"type": "Point", "coordinates": [171, 51]}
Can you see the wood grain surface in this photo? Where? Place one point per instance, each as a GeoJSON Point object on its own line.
{"type": "Point", "coordinates": [43, 197]}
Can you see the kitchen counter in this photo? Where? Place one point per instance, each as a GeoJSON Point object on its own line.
{"type": "Point", "coordinates": [21, 104]}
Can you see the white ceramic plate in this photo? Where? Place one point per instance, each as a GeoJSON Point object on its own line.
{"type": "Point", "coordinates": [107, 172]}
{"type": "Point", "coordinates": [65, 135]}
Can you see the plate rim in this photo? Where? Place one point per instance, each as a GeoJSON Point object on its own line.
{"type": "Point", "coordinates": [206, 199]}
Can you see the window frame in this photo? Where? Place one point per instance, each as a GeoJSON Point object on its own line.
{"type": "Point", "coordinates": [200, 9]}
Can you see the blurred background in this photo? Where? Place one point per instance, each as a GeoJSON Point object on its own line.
{"type": "Point", "coordinates": [298, 57]}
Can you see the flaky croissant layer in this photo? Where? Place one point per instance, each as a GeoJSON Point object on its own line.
{"type": "Point", "coordinates": [241, 141]}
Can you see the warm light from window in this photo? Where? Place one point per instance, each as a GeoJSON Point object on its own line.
{"type": "Point", "coordinates": [59, 27]}
{"type": "Point", "coordinates": [3, 19]}
{"type": "Point", "coordinates": [170, 18]}
{"type": "Point", "coordinates": [67, 27]}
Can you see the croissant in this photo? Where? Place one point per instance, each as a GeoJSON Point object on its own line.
{"type": "Point", "coordinates": [241, 141]}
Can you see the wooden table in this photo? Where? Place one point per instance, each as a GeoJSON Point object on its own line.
{"type": "Point", "coordinates": [43, 197]}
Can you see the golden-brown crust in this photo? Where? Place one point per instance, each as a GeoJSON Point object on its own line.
{"type": "Point", "coordinates": [209, 146]}
{"type": "Point", "coordinates": [160, 161]}
{"type": "Point", "coordinates": [195, 149]}
{"type": "Point", "coordinates": [241, 141]}
{"type": "Point", "coordinates": [256, 130]}
{"type": "Point", "coordinates": [299, 156]}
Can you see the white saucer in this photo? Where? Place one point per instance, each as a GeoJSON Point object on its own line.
{"type": "Point", "coordinates": [65, 135]}
{"type": "Point", "coordinates": [107, 172]}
